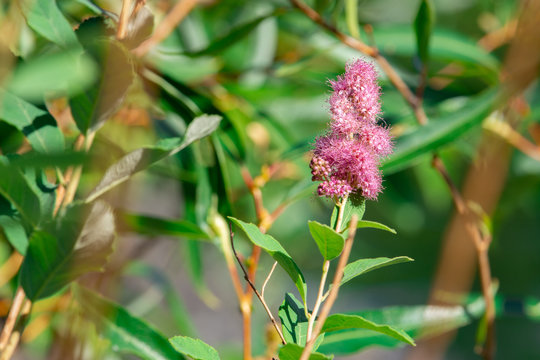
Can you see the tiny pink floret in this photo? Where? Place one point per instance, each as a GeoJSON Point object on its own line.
{"type": "Point", "coordinates": [347, 158]}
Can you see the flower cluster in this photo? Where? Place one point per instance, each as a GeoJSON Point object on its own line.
{"type": "Point", "coordinates": [346, 159]}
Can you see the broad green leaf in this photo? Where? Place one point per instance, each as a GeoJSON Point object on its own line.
{"type": "Point", "coordinates": [150, 225]}
{"type": "Point", "coordinates": [80, 243]}
{"type": "Point", "coordinates": [439, 132]}
{"type": "Point", "coordinates": [363, 266]}
{"type": "Point", "coordinates": [330, 243]}
{"type": "Point", "coordinates": [194, 348]}
{"type": "Point", "coordinates": [294, 322]}
{"type": "Point", "coordinates": [91, 108]}
{"type": "Point", "coordinates": [355, 204]}
{"type": "Point", "coordinates": [14, 232]}
{"type": "Point", "coordinates": [274, 248]}
{"type": "Point", "coordinates": [374, 225]}
{"type": "Point", "coordinates": [423, 27]}
{"type": "Point", "coordinates": [342, 322]}
{"type": "Point", "coordinates": [16, 190]}
{"type": "Point", "coordinates": [293, 352]}
{"type": "Point", "coordinates": [126, 333]}
{"type": "Point", "coordinates": [417, 321]}
{"type": "Point", "coordinates": [37, 125]}
{"type": "Point", "coordinates": [46, 19]}
{"type": "Point", "coordinates": [140, 159]}
{"type": "Point", "coordinates": [61, 74]}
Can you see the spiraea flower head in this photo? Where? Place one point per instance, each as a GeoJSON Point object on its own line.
{"type": "Point", "coordinates": [346, 159]}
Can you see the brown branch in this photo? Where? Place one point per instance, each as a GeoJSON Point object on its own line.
{"type": "Point", "coordinates": [261, 299]}
{"type": "Point", "coordinates": [165, 27]}
{"type": "Point", "coordinates": [508, 133]}
{"type": "Point", "coordinates": [11, 319]}
{"type": "Point", "coordinates": [124, 19]}
{"type": "Point", "coordinates": [343, 259]}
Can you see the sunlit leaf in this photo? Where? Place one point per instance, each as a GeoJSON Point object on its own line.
{"type": "Point", "coordinates": [355, 204]}
{"type": "Point", "coordinates": [330, 242]}
{"type": "Point", "coordinates": [37, 125]}
{"type": "Point", "coordinates": [363, 266]}
{"type": "Point", "coordinates": [274, 248]}
{"type": "Point", "coordinates": [293, 352]}
{"type": "Point", "coordinates": [194, 348]}
{"type": "Point", "coordinates": [374, 225]}
{"type": "Point", "coordinates": [150, 225]}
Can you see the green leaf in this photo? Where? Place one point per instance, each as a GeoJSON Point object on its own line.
{"type": "Point", "coordinates": [140, 159]}
{"type": "Point", "coordinates": [342, 322]}
{"type": "Point", "coordinates": [150, 225]}
{"type": "Point", "coordinates": [37, 125]}
{"type": "Point", "coordinates": [294, 322]}
{"type": "Point", "coordinates": [444, 46]}
{"type": "Point", "coordinates": [417, 321]}
{"type": "Point", "coordinates": [61, 74]}
{"type": "Point", "coordinates": [233, 36]}
{"type": "Point", "coordinates": [351, 16]}
{"type": "Point", "coordinates": [194, 348]}
{"type": "Point", "coordinates": [363, 266]}
{"type": "Point", "coordinates": [126, 333]}
{"type": "Point", "coordinates": [14, 232]}
{"type": "Point", "coordinates": [274, 248]}
{"type": "Point", "coordinates": [72, 248]}
{"type": "Point", "coordinates": [46, 19]}
{"type": "Point", "coordinates": [423, 27]}
{"type": "Point", "coordinates": [374, 225]}
{"type": "Point", "coordinates": [293, 352]}
{"type": "Point", "coordinates": [330, 243]}
{"type": "Point", "coordinates": [91, 108]}
{"type": "Point", "coordinates": [439, 132]}
{"type": "Point", "coordinates": [355, 204]}
{"type": "Point", "coordinates": [16, 190]}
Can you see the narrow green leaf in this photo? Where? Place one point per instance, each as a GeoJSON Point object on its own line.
{"type": "Point", "coordinates": [374, 225]}
{"type": "Point", "coordinates": [274, 248]}
{"type": "Point", "coordinates": [80, 243]}
{"type": "Point", "coordinates": [126, 333]}
{"type": "Point", "coordinates": [37, 125]}
{"type": "Point", "coordinates": [156, 226]}
{"type": "Point", "coordinates": [423, 27]}
{"type": "Point", "coordinates": [363, 266]}
{"type": "Point", "coordinates": [60, 74]}
{"type": "Point", "coordinates": [45, 18]}
{"type": "Point", "coordinates": [330, 243]}
{"type": "Point", "coordinates": [439, 132]}
{"type": "Point", "coordinates": [351, 15]}
{"type": "Point", "coordinates": [233, 36]}
{"type": "Point", "coordinates": [140, 159]}
{"type": "Point", "coordinates": [14, 232]}
{"type": "Point", "coordinates": [91, 108]}
{"type": "Point", "coordinates": [417, 321]}
{"type": "Point", "coordinates": [355, 204]}
{"type": "Point", "coordinates": [194, 348]}
{"type": "Point", "coordinates": [293, 352]}
{"type": "Point", "coordinates": [342, 322]}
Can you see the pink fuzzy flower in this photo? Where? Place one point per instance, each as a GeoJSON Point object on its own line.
{"type": "Point", "coordinates": [355, 99]}
{"type": "Point", "coordinates": [347, 158]}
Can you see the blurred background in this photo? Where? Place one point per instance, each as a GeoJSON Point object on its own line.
{"type": "Point", "coordinates": [264, 66]}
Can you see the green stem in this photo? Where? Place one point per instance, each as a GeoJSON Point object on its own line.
{"type": "Point", "coordinates": [324, 275]}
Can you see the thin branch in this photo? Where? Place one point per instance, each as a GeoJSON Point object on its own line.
{"type": "Point", "coordinates": [268, 278]}
{"type": "Point", "coordinates": [343, 259]}
{"type": "Point", "coordinates": [124, 19]}
{"type": "Point", "coordinates": [266, 308]}
{"type": "Point", "coordinates": [11, 319]}
{"type": "Point", "coordinates": [508, 133]}
{"type": "Point", "coordinates": [180, 10]}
